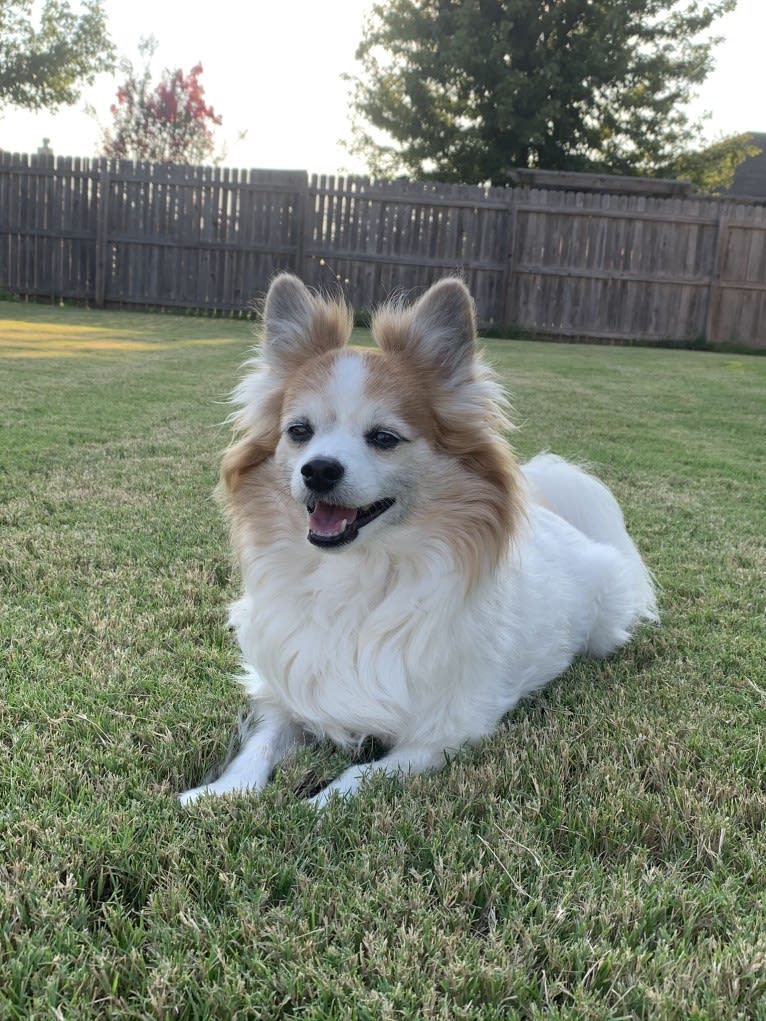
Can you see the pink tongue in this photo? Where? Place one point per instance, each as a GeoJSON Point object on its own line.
{"type": "Point", "coordinates": [327, 519]}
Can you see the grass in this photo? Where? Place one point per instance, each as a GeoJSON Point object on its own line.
{"type": "Point", "coordinates": [602, 857]}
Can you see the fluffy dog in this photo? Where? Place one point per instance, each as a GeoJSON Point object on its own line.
{"type": "Point", "coordinates": [404, 578]}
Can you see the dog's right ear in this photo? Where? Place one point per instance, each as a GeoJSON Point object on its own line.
{"type": "Point", "coordinates": [439, 330]}
{"type": "Point", "coordinates": [299, 325]}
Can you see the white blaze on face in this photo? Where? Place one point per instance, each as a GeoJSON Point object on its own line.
{"type": "Point", "coordinates": [345, 392]}
{"type": "Point", "coordinates": [340, 414]}
{"type": "Point", "coordinates": [343, 417]}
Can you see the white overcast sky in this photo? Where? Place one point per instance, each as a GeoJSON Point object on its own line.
{"type": "Point", "coordinates": [272, 69]}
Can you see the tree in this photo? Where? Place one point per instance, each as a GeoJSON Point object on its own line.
{"type": "Point", "coordinates": [46, 59]}
{"type": "Point", "coordinates": [166, 123]}
{"type": "Point", "coordinates": [468, 89]}
{"type": "Point", "coordinates": [712, 168]}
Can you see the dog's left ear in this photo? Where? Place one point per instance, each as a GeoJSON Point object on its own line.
{"type": "Point", "coordinates": [440, 328]}
{"type": "Point", "coordinates": [299, 324]}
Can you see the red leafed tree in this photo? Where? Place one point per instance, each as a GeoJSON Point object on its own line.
{"type": "Point", "coordinates": [166, 123]}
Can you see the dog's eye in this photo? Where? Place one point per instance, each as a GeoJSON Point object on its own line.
{"type": "Point", "coordinates": [383, 439]}
{"type": "Point", "coordinates": [300, 432]}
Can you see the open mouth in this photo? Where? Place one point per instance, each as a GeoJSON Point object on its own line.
{"type": "Point", "coordinates": [331, 526]}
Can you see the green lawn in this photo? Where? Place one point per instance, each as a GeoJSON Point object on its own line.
{"type": "Point", "coordinates": [603, 857]}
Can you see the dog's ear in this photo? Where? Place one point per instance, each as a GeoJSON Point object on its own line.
{"type": "Point", "coordinates": [299, 324]}
{"type": "Point", "coordinates": [440, 328]}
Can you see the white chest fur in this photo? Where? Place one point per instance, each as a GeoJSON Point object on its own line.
{"type": "Point", "coordinates": [393, 645]}
{"type": "Point", "coordinates": [366, 645]}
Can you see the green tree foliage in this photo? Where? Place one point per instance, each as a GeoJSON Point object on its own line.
{"type": "Point", "coordinates": [469, 89]}
{"type": "Point", "coordinates": [169, 122]}
{"type": "Point", "coordinates": [49, 52]}
{"type": "Point", "coordinates": [712, 168]}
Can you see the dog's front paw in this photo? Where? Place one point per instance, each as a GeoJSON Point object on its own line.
{"type": "Point", "coordinates": [195, 793]}
{"type": "Point", "coordinates": [321, 801]}
{"type": "Point", "coordinates": [345, 786]}
{"type": "Point", "coordinates": [223, 785]}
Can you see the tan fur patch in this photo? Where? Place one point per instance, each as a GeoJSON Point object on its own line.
{"type": "Point", "coordinates": [462, 416]}
{"type": "Point", "coordinates": [253, 447]}
{"type": "Point", "coordinates": [484, 504]}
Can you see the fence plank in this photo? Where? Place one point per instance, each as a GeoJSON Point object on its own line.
{"type": "Point", "coordinates": [102, 229]}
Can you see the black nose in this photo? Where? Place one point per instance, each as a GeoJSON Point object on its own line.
{"type": "Point", "coordinates": [322, 473]}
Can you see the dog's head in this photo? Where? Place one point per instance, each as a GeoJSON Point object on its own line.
{"type": "Point", "coordinates": [347, 447]}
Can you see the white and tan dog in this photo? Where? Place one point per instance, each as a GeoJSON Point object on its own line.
{"type": "Point", "coordinates": [403, 577]}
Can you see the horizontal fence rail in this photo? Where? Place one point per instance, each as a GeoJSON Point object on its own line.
{"type": "Point", "coordinates": [558, 262]}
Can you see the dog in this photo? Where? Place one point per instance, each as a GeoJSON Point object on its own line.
{"type": "Point", "coordinates": [404, 577]}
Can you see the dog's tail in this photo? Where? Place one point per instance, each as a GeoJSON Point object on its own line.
{"type": "Point", "coordinates": [585, 502]}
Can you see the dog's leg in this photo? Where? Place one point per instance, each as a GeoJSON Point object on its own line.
{"type": "Point", "coordinates": [272, 739]}
{"type": "Point", "coordinates": [402, 759]}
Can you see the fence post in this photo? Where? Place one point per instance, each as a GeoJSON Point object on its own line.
{"type": "Point", "coordinates": [509, 304]}
{"type": "Point", "coordinates": [102, 228]}
{"type": "Point", "coordinates": [714, 290]}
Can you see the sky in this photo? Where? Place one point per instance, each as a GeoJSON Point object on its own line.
{"type": "Point", "coordinates": [272, 70]}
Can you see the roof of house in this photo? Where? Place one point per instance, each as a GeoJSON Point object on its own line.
{"type": "Point", "coordinates": [750, 175]}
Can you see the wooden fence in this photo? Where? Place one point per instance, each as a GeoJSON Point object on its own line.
{"type": "Point", "coordinates": [564, 263]}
